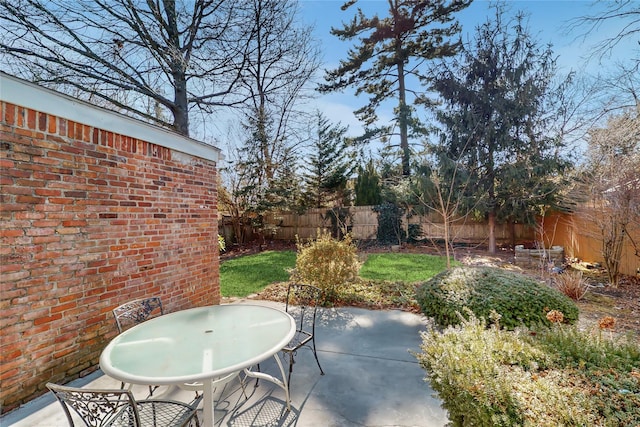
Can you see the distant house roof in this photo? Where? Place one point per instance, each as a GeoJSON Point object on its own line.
{"type": "Point", "coordinates": [29, 95]}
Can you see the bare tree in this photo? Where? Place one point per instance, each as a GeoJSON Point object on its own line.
{"type": "Point", "coordinates": [234, 202]}
{"type": "Point", "coordinates": [280, 63]}
{"type": "Point", "coordinates": [281, 59]}
{"type": "Point", "coordinates": [154, 59]}
{"type": "Point", "coordinates": [623, 13]}
{"type": "Point", "coordinates": [614, 186]}
{"type": "Point", "coordinates": [439, 186]}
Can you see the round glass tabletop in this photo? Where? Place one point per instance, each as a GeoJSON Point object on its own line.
{"type": "Point", "coordinates": [196, 344]}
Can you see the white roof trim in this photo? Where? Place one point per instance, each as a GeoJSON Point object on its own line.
{"type": "Point", "coordinates": [29, 95]}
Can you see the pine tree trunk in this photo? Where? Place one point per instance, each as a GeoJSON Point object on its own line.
{"type": "Point", "coordinates": [492, 232]}
{"type": "Point", "coordinates": [402, 121]}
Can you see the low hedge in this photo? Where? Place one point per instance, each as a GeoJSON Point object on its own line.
{"type": "Point", "coordinates": [517, 299]}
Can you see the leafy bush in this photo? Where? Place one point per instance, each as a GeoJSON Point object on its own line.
{"type": "Point", "coordinates": [572, 284]}
{"type": "Point", "coordinates": [494, 377]}
{"type": "Point", "coordinates": [414, 232]}
{"type": "Point", "coordinates": [519, 300]}
{"type": "Point", "coordinates": [327, 263]}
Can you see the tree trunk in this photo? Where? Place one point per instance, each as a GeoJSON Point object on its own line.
{"type": "Point", "coordinates": [447, 243]}
{"type": "Point", "coordinates": [492, 232]}
{"type": "Point", "coordinates": [181, 109]}
{"type": "Point", "coordinates": [402, 121]}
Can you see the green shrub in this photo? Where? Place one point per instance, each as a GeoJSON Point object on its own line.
{"type": "Point", "coordinates": [327, 263]}
{"type": "Point", "coordinates": [495, 377]}
{"type": "Point", "coordinates": [390, 230]}
{"type": "Point", "coordinates": [519, 300]}
{"type": "Point", "coordinates": [607, 366]}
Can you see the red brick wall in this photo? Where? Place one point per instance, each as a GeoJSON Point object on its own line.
{"type": "Point", "coordinates": [91, 219]}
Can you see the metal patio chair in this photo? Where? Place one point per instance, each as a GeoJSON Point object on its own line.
{"type": "Point", "coordinates": [103, 407]}
{"type": "Point", "coordinates": [302, 304]}
{"type": "Point", "coordinates": [134, 312]}
{"type": "Point", "coordinates": [137, 311]}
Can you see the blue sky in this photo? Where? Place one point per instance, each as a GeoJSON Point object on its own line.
{"type": "Point", "coordinates": [548, 22]}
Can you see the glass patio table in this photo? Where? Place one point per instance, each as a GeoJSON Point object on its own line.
{"type": "Point", "coordinates": [199, 345]}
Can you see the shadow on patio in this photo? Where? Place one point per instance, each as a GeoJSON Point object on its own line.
{"type": "Point", "coordinates": [371, 380]}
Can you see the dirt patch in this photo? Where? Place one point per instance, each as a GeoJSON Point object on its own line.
{"type": "Point", "coordinates": [621, 303]}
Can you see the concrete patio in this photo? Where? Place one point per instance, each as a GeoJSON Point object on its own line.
{"type": "Point", "coordinates": [371, 379]}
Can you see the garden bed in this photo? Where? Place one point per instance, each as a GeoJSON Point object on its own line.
{"type": "Point", "coordinates": [622, 303]}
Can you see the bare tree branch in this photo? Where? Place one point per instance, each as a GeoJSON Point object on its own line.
{"type": "Point", "coordinates": [176, 55]}
{"type": "Point", "coordinates": [623, 13]}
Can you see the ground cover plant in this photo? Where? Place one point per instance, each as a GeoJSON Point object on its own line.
{"type": "Point", "coordinates": [518, 299]}
{"type": "Point", "coordinates": [548, 376]}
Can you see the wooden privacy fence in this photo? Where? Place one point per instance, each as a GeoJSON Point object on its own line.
{"type": "Point", "coordinates": [363, 225]}
{"type": "Point", "coordinates": [575, 233]}
{"type": "Point", "coordinates": [578, 233]}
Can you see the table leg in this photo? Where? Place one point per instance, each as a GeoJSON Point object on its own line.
{"type": "Point", "coordinates": [207, 404]}
{"type": "Point", "coordinates": [281, 383]}
{"type": "Point", "coordinates": [285, 383]}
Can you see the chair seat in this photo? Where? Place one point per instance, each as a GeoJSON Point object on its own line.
{"type": "Point", "coordinates": [164, 413]}
{"type": "Point", "coordinates": [118, 408]}
{"type": "Point", "coordinates": [300, 339]}
{"type": "Point", "coordinates": [302, 303]}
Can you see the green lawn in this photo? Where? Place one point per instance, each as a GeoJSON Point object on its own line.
{"type": "Point", "coordinates": [402, 267]}
{"type": "Point", "coordinates": [246, 275]}
{"type": "Point", "coordinates": [243, 276]}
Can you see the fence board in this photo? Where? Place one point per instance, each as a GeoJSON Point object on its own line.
{"type": "Point", "coordinates": [364, 226]}
{"type": "Point", "coordinates": [580, 238]}
{"type": "Point", "coordinates": [573, 232]}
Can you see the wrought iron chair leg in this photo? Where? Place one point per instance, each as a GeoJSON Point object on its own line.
{"type": "Point", "coordinates": [315, 354]}
{"type": "Point", "coordinates": [291, 362]}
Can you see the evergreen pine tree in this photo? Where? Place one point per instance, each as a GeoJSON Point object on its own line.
{"type": "Point", "coordinates": [329, 165]}
{"type": "Point", "coordinates": [367, 188]}
{"type": "Point", "coordinates": [498, 101]}
{"type": "Point", "coordinates": [393, 49]}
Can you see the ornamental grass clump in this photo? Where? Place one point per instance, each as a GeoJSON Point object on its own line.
{"type": "Point", "coordinates": [327, 263]}
{"type": "Point", "coordinates": [572, 284]}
